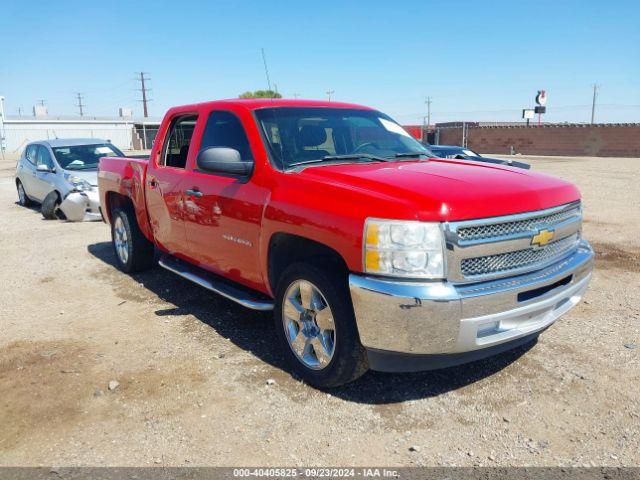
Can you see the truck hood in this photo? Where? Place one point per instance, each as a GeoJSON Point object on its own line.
{"type": "Point", "coordinates": [449, 190]}
{"type": "Point", "coordinates": [90, 176]}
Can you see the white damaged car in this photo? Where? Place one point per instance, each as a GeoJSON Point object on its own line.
{"type": "Point", "coordinates": [62, 175]}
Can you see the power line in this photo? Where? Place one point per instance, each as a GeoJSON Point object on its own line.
{"type": "Point", "coordinates": [512, 110]}
{"type": "Point", "coordinates": [144, 91]}
{"type": "Point", "coordinates": [80, 104]}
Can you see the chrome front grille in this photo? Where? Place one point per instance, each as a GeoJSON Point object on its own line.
{"type": "Point", "coordinates": [506, 262]}
{"type": "Point", "coordinates": [504, 229]}
{"type": "Point", "coordinates": [489, 248]}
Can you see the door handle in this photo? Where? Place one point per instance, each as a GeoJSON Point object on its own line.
{"type": "Point", "coordinates": [193, 192]}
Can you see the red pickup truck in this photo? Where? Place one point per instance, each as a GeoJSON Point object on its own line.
{"type": "Point", "coordinates": [371, 254]}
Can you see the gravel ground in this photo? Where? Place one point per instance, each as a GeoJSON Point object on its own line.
{"type": "Point", "coordinates": [193, 371]}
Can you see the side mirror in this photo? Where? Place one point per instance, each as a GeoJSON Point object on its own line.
{"type": "Point", "coordinates": [44, 168]}
{"type": "Point", "coordinates": [223, 160]}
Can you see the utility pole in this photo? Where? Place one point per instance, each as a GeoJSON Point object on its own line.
{"type": "Point", "coordinates": [19, 111]}
{"type": "Point", "coordinates": [80, 104]}
{"type": "Point", "coordinates": [329, 93]}
{"type": "Point", "coordinates": [593, 104]}
{"type": "Point", "coordinates": [144, 91]}
{"type": "Point", "coordinates": [428, 102]}
{"type": "Point", "coordinates": [296, 95]}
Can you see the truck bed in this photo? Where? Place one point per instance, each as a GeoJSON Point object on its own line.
{"type": "Point", "coordinates": [120, 177]}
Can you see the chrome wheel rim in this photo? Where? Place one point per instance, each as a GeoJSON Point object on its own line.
{"type": "Point", "coordinates": [309, 325]}
{"type": "Point", "coordinates": [21, 195]}
{"type": "Point", "coordinates": [121, 240]}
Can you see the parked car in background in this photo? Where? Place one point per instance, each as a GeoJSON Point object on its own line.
{"type": "Point", "coordinates": [463, 153]}
{"type": "Point", "coordinates": [62, 175]}
{"type": "Point", "coordinates": [371, 253]}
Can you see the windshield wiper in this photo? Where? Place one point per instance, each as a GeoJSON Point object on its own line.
{"type": "Point", "coordinates": [353, 156]}
{"type": "Point", "coordinates": [356, 156]}
{"type": "Point", "coordinates": [410, 154]}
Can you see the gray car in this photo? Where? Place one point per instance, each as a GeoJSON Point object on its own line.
{"type": "Point", "coordinates": [62, 175]}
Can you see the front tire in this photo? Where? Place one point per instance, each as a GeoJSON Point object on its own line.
{"type": "Point", "coordinates": [134, 253]}
{"type": "Point", "coordinates": [316, 326]}
{"type": "Point", "coordinates": [50, 206]}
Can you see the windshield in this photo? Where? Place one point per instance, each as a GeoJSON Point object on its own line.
{"type": "Point", "coordinates": [84, 157]}
{"type": "Point", "coordinates": [307, 135]}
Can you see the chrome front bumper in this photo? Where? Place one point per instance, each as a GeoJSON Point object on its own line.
{"type": "Point", "coordinates": [435, 318]}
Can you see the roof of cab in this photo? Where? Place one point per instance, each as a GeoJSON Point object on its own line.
{"type": "Point", "coordinates": [256, 103]}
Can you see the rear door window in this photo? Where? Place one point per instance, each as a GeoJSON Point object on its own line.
{"type": "Point", "coordinates": [178, 141]}
{"type": "Point", "coordinates": [31, 153]}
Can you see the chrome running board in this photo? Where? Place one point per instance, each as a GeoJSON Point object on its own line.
{"type": "Point", "coordinates": [243, 296]}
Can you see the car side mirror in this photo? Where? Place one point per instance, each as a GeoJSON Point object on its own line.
{"type": "Point", "coordinates": [44, 168]}
{"type": "Point", "coordinates": [223, 160]}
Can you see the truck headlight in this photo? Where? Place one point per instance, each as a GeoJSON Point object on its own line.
{"type": "Point", "coordinates": [78, 183]}
{"type": "Point", "coordinates": [403, 248]}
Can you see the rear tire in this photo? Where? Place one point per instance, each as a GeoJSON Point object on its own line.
{"type": "Point", "coordinates": [323, 349]}
{"type": "Point", "coordinates": [23, 199]}
{"type": "Point", "coordinates": [50, 206]}
{"type": "Point", "coordinates": [134, 253]}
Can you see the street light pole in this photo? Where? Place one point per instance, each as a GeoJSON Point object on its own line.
{"type": "Point", "coordinates": [593, 103]}
{"type": "Point", "coordinates": [428, 102]}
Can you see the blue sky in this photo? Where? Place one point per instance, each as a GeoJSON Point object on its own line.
{"type": "Point", "coordinates": [478, 60]}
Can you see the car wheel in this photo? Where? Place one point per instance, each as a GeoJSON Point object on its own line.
{"type": "Point", "coordinates": [134, 253]}
{"type": "Point", "coordinates": [316, 326]}
{"type": "Point", "coordinates": [22, 195]}
{"type": "Point", "coordinates": [50, 206]}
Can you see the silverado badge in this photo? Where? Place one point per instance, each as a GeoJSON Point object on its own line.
{"type": "Point", "coordinates": [543, 237]}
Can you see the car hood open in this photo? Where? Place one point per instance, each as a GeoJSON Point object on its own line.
{"type": "Point", "coordinates": [447, 189]}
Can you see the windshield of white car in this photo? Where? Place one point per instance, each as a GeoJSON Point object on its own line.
{"type": "Point", "coordinates": [313, 135]}
{"type": "Point", "coordinates": [84, 157]}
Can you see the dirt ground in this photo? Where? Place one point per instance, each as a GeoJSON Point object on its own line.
{"type": "Point", "coordinates": [193, 368]}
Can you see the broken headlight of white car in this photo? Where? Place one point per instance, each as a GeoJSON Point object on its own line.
{"type": "Point", "coordinates": [78, 183]}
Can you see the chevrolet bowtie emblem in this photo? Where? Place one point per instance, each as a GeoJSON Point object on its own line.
{"type": "Point", "coordinates": [542, 237]}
